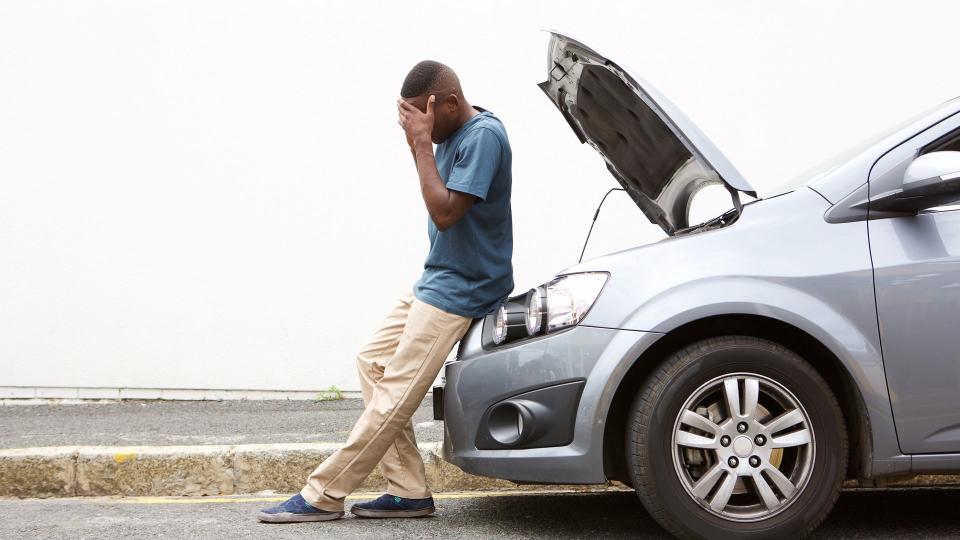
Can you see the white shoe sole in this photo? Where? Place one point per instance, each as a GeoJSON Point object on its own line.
{"type": "Point", "coordinates": [361, 512]}
{"type": "Point", "coordinates": [288, 517]}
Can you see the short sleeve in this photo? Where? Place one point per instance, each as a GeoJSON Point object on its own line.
{"type": "Point", "coordinates": [476, 163]}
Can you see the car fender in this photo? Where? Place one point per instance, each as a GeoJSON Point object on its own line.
{"type": "Point", "coordinates": [842, 326]}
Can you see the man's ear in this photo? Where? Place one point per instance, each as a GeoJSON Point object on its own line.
{"type": "Point", "coordinates": [452, 103]}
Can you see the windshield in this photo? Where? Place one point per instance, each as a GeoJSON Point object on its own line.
{"type": "Point", "coordinates": [826, 167]}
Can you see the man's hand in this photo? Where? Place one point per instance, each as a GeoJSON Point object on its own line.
{"type": "Point", "coordinates": [418, 126]}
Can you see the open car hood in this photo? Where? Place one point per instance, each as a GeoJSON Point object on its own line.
{"type": "Point", "coordinates": [653, 150]}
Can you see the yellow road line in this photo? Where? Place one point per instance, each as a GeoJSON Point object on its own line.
{"type": "Point", "coordinates": [355, 496]}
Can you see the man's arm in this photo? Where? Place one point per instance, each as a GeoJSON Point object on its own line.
{"type": "Point", "coordinates": [445, 206]}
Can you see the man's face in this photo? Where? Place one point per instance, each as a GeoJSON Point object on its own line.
{"type": "Point", "coordinates": [444, 113]}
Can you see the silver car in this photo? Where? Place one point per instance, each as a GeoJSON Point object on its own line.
{"type": "Point", "coordinates": [737, 372]}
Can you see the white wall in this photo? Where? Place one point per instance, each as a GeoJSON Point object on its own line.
{"type": "Point", "coordinates": [216, 194]}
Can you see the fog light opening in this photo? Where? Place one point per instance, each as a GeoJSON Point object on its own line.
{"type": "Point", "coordinates": [509, 423]}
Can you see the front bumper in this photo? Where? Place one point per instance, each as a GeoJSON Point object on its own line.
{"type": "Point", "coordinates": [594, 359]}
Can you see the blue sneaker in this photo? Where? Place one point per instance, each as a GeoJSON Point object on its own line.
{"type": "Point", "coordinates": [296, 510]}
{"type": "Point", "coordinates": [390, 506]}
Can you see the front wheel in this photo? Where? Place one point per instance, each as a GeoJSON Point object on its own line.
{"type": "Point", "coordinates": [737, 436]}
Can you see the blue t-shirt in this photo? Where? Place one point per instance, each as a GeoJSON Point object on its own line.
{"type": "Point", "coordinates": [468, 270]}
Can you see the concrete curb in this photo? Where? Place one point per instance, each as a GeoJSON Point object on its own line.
{"type": "Point", "coordinates": [71, 471]}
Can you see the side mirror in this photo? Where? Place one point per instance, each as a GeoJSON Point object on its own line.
{"type": "Point", "coordinates": [930, 180]}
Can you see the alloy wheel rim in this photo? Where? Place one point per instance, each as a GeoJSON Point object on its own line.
{"type": "Point", "coordinates": [743, 447]}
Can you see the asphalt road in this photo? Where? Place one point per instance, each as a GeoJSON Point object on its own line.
{"type": "Point", "coordinates": [130, 423]}
{"type": "Point", "coordinates": [903, 513]}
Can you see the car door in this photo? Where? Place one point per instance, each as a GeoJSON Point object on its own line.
{"type": "Point", "coordinates": [916, 264]}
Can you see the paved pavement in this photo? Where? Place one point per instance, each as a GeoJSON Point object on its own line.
{"type": "Point", "coordinates": [130, 423]}
{"type": "Point", "coordinates": [903, 513]}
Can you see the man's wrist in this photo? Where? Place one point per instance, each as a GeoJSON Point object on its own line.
{"type": "Point", "coordinates": [422, 144]}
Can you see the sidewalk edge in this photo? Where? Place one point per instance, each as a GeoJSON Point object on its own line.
{"type": "Point", "coordinates": [211, 470]}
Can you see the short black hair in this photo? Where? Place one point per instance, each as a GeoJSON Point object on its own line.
{"type": "Point", "coordinates": [422, 78]}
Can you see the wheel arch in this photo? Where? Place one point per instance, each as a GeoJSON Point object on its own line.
{"type": "Point", "coordinates": [838, 378]}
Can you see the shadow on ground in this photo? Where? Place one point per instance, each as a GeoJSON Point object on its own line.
{"type": "Point", "coordinates": [905, 513]}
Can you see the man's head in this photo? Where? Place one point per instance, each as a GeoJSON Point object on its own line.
{"type": "Point", "coordinates": [433, 78]}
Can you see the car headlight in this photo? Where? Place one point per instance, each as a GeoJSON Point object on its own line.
{"type": "Point", "coordinates": [500, 325]}
{"type": "Point", "coordinates": [559, 304]}
{"type": "Point", "coordinates": [536, 314]}
{"type": "Point", "coordinates": [508, 323]}
{"type": "Point", "coordinates": [569, 298]}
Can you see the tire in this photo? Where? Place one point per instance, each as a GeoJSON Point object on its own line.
{"type": "Point", "coordinates": [682, 470]}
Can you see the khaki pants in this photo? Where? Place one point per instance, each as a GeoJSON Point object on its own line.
{"type": "Point", "coordinates": [396, 367]}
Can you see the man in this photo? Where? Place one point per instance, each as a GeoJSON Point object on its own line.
{"type": "Point", "coordinates": [466, 189]}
